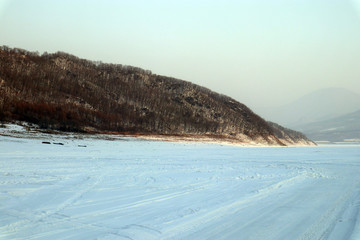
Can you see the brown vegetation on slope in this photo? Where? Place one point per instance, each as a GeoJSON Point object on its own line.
{"type": "Point", "coordinates": [61, 91]}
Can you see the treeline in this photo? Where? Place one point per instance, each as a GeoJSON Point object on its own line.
{"type": "Point", "coordinates": [61, 91]}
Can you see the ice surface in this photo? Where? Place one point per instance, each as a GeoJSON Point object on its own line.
{"type": "Point", "coordinates": [126, 188]}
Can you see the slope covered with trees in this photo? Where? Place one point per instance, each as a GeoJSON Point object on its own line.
{"type": "Point", "coordinates": [61, 91]}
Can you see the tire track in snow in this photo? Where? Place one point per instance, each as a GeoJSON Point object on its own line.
{"type": "Point", "coordinates": [54, 218]}
{"type": "Point", "coordinates": [324, 227]}
{"type": "Point", "coordinates": [204, 218]}
{"type": "Point", "coordinates": [26, 219]}
{"type": "Point", "coordinates": [160, 197]}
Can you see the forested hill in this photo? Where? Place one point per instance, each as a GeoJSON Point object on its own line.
{"type": "Point", "coordinates": [61, 91]}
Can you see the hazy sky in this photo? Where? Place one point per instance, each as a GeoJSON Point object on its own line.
{"type": "Point", "coordinates": [260, 52]}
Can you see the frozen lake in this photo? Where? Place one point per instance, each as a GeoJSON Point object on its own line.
{"type": "Point", "coordinates": [137, 189]}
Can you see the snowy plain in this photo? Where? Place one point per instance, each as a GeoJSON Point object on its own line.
{"type": "Point", "coordinates": [127, 188]}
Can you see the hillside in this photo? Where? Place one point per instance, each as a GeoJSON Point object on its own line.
{"type": "Point", "coordinates": [345, 128]}
{"type": "Point", "coordinates": [60, 91]}
{"type": "Point", "coordinates": [287, 135]}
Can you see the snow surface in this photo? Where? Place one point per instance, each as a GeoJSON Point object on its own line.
{"type": "Point", "coordinates": [126, 188]}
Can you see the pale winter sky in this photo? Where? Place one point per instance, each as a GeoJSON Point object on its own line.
{"type": "Point", "coordinates": [260, 52]}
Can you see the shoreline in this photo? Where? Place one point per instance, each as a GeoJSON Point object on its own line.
{"type": "Point", "coordinates": [24, 130]}
{"type": "Point", "coordinates": [210, 140]}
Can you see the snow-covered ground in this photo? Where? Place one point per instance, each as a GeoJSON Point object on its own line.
{"type": "Point", "coordinates": [126, 188]}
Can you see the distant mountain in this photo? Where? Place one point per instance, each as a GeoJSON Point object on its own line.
{"type": "Point", "coordinates": [61, 91]}
{"type": "Point", "coordinates": [345, 128]}
{"type": "Point", "coordinates": [316, 106]}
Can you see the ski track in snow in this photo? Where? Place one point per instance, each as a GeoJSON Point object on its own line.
{"type": "Point", "coordinates": [135, 189]}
